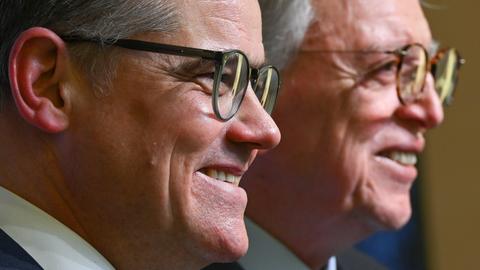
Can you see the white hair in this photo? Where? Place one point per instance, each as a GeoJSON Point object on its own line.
{"type": "Point", "coordinates": [285, 23]}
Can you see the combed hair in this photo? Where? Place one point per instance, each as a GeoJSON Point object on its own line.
{"type": "Point", "coordinates": [285, 23]}
{"type": "Point", "coordinates": [104, 19]}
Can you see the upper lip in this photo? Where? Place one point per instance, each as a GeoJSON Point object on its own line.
{"type": "Point", "coordinates": [233, 169]}
{"type": "Point", "coordinates": [408, 146]}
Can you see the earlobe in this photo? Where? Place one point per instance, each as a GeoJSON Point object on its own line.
{"type": "Point", "coordinates": [37, 70]}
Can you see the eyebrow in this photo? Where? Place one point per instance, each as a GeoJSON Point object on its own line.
{"type": "Point", "coordinates": [178, 64]}
{"type": "Point", "coordinates": [254, 62]}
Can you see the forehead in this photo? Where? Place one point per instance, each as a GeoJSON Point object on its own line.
{"type": "Point", "coordinates": [225, 25]}
{"type": "Point", "coordinates": [367, 24]}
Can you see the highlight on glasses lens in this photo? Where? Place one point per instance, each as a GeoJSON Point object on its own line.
{"type": "Point", "coordinates": [445, 67]}
{"type": "Point", "coordinates": [414, 66]}
{"type": "Point", "coordinates": [231, 82]}
{"type": "Point", "coordinates": [412, 72]}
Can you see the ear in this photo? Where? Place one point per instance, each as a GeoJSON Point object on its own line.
{"type": "Point", "coordinates": [37, 70]}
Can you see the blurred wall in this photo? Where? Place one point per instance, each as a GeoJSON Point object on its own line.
{"type": "Point", "coordinates": [451, 176]}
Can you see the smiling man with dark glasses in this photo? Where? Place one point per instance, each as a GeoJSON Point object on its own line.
{"type": "Point", "coordinates": [126, 127]}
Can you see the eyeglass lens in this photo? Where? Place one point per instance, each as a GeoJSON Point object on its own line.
{"type": "Point", "coordinates": [412, 73]}
{"type": "Point", "coordinates": [446, 74]}
{"type": "Point", "coordinates": [266, 87]}
{"type": "Point", "coordinates": [414, 68]}
{"type": "Point", "coordinates": [231, 82]}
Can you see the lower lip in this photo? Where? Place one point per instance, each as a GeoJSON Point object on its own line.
{"type": "Point", "coordinates": [400, 172]}
{"type": "Point", "coordinates": [224, 189]}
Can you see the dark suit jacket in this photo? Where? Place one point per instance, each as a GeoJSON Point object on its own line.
{"type": "Point", "coordinates": [13, 256]}
{"type": "Point", "coordinates": [348, 260]}
{"type": "Point", "coordinates": [354, 260]}
{"type": "Point", "coordinates": [224, 266]}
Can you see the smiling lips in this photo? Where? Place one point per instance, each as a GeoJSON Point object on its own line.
{"type": "Point", "coordinates": [404, 158]}
{"type": "Point", "coordinates": [224, 176]}
{"type": "Point", "coordinates": [405, 154]}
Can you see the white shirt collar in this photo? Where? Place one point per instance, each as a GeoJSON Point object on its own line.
{"type": "Point", "coordinates": [49, 242]}
{"type": "Point", "coordinates": [267, 253]}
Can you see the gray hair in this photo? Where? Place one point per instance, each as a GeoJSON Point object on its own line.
{"type": "Point", "coordinates": [104, 19]}
{"type": "Point", "coordinates": [285, 23]}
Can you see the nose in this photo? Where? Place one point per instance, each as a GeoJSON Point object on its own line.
{"type": "Point", "coordinates": [253, 125]}
{"type": "Point", "coordinates": [427, 110]}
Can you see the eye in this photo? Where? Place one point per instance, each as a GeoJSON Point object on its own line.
{"type": "Point", "coordinates": [205, 79]}
{"type": "Point", "coordinates": [384, 73]}
{"type": "Point", "coordinates": [227, 78]}
{"type": "Point", "coordinates": [199, 71]}
{"type": "Point", "coordinates": [207, 76]}
{"type": "Point", "coordinates": [389, 67]}
{"type": "Point", "coordinates": [226, 83]}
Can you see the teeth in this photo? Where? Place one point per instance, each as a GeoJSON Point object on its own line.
{"type": "Point", "coordinates": [224, 176]}
{"type": "Point", "coordinates": [212, 173]}
{"type": "Point", "coordinates": [404, 158]}
{"type": "Point", "coordinates": [221, 176]}
{"type": "Point", "coordinates": [230, 178]}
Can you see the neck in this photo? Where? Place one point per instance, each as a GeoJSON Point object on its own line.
{"type": "Point", "coordinates": [30, 168]}
{"type": "Point", "coordinates": [313, 228]}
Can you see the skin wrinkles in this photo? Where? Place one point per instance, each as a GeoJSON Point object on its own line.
{"type": "Point", "coordinates": [331, 175]}
{"type": "Point", "coordinates": [167, 150]}
{"type": "Point", "coordinates": [131, 167]}
{"type": "Point", "coordinates": [187, 205]}
{"type": "Point", "coordinates": [128, 170]}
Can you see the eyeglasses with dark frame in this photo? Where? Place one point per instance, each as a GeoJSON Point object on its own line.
{"type": "Point", "coordinates": [229, 80]}
{"type": "Point", "coordinates": [413, 65]}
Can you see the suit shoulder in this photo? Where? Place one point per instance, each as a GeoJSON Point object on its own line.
{"type": "Point", "coordinates": [224, 266]}
{"type": "Point", "coordinates": [13, 256]}
{"type": "Point", "coordinates": [354, 260]}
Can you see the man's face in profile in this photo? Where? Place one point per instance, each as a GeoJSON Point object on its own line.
{"type": "Point", "coordinates": [146, 153]}
{"type": "Point", "coordinates": [348, 142]}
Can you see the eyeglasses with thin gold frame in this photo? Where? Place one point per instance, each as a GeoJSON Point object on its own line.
{"type": "Point", "coordinates": [412, 67]}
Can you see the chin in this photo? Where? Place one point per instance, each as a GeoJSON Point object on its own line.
{"type": "Point", "coordinates": [385, 211]}
{"type": "Point", "coordinates": [234, 252]}
{"type": "Point", "coordinates": [229, 245]}
{"type": "Point", "coordinates": [394, 215]}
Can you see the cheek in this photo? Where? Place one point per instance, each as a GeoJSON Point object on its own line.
{"type": "Point", "coordinates": [194, 146]}
{"type": "Point", "coordinates": [348, 165]}
{"type": "Point", "coordinates": [349, 134]}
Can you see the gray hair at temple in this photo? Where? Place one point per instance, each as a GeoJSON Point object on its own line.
{"type": "Point", "coordinates": [105, 19]}
{"type": "Point", "coordinates": [285, 23]}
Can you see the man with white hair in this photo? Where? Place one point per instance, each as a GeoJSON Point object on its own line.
{"type": "Point", "coordinates": [357, 99]}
